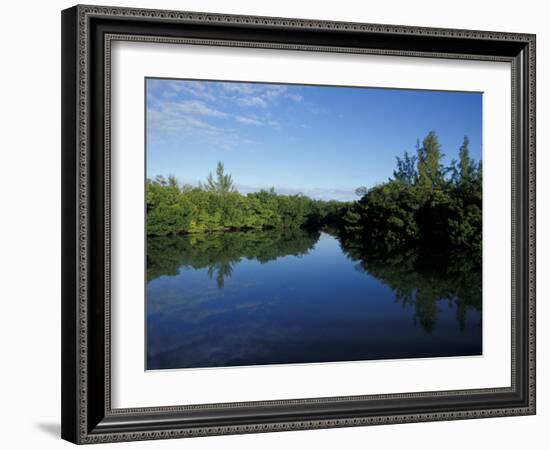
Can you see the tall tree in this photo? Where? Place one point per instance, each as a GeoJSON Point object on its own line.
{"type": "Point", "coordinates": [406, 169]}
{"type": "Point", "coordinates": [222, 184]}
{"type": "Point", "coordinates": [466, 165]}
{"type": "Point", "coordinates": [430, 170]}
{"type": "Point", "coordinates": [173, 182]}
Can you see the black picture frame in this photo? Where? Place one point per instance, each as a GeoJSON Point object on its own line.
{"type": "Point", "coordinates": [87, 416]}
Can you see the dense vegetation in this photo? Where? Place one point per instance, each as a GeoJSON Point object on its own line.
{"type": "Point", "coordinates": [424, 205]}
{"type": "Point", "coordinates": [217, 206]}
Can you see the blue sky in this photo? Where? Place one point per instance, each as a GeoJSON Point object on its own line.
{"type": "Point", "coordinates": [321, 141]}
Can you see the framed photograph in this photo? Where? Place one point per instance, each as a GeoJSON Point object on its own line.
{"type": "Point", "coordinates": [277, 224]}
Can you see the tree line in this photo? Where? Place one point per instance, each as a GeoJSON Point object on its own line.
{"type": "Point", "coordinates": [425, 204]}
{"type": "Point", "coordinates": [216, 205]}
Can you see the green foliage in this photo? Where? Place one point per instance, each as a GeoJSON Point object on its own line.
{"type": "Point", "coordinates": [421, 206]}
{"type": "Point", "coordinates": [467, 168]}
{"type": "Point", "coordinates": [222, 184]}
{"type": "Point", "coordinates": [425, 205]}
{"type": "Point", "coordinates": [216, 206]}
{"type": "Point", "coordinates": [430, 170]}
{"type": "Point", "coordinates": [386, 216]}
{"type": "Point", "coordinates": [406, 169]}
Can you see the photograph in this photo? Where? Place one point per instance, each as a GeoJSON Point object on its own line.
{"type": "Point", "coordinates": [299, 224]}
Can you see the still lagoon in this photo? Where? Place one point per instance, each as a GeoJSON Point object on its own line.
{"type": "Point", "coordinates": [255, 298]}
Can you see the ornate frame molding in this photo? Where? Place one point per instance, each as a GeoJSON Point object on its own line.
{"type": "Point", "coordinates": [84, 422]}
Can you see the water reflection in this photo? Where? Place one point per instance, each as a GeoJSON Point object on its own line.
{"type": "Point", "coordinates": [220, 252]}
{"type": "Point", "coordinates": [422, 280]}
{"type": "Point", "coordinates": [271, 298]}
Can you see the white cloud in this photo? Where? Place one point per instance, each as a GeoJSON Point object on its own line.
{"type": "Point", "coordinates": [183, 120]}
{"type": "Point", "coordinates": [171, 122]}
{"type": "Point", "coordinates": [240, 88]}
{"type": "Point", "coordinates": [194, 88]}
{"type": "Point", "coordinates": [253, 101]}
{"type": "Point", "coordinates": [247, 120]}
{"type": "Point", "coordinates": [195, 107]}
{"type": "Point", "coordinates": [257, 121]}
{"type": "Point", "coordinates": [259, 95]}
{"type": "Point", "coordinates": [295, 97]}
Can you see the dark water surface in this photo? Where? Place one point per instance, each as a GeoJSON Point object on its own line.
{"type": "Point", "coordinates": [253, 298]}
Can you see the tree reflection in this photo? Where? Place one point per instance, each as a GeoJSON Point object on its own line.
{"type": "Point", "coordinates": [220, 252]}
{"type": "Point", "coordinates": [422, 280]}
{"type": "Point", "coordinates": [417, 279]}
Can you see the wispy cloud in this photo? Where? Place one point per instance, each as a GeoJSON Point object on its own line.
{"type": "Point", "coordinates": [260, 95]}
{"type": "Point", "coordinates": [219, 113]}
{"type": "Point", "coordinates": [295, 97]}
{"type": "Point", "coordinates": [194, 107]}
{"type": "Point", "coordinates": [240, 88]}
{"type": "Point", "coordinates": [253, 101]}
{"type": "Point", "coordinates": [179, 120]}
{"type": "Point", "coordinates": [257, 121]}
{"type": "Point", "coordinates": [318, 110]}
{"type": "Point", "coordinates": [248, 120]}
{"type": "Point", "coordinates": [194, 88]}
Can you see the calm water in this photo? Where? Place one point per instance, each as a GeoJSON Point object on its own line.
{"type": "Point", "coordinates": [270, 298]}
